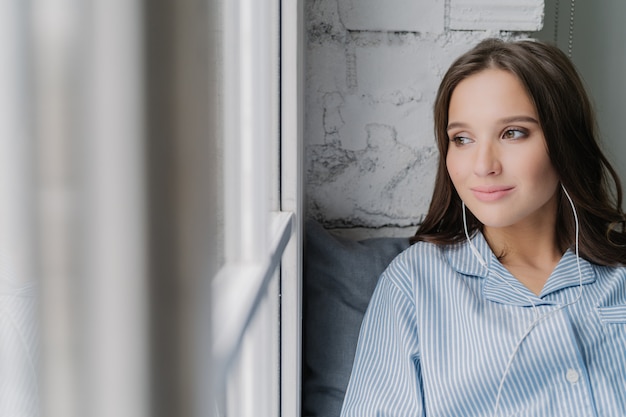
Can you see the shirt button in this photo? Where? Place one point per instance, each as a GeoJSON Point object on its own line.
{"type": "Point", "coordinates": [572, 376]}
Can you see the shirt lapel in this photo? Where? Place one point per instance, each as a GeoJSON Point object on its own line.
{"type": "Point", "coordinates": [461, 258]}
{"type": "Point", "coordinates": [502, 287]}
{"type": "Point", "coordinates": [566, 274]}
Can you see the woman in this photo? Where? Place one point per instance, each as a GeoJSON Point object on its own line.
{"type": "Point", "coordinates": [512, 300]}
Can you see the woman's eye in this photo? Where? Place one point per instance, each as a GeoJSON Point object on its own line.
{"type": "Point", "coordinates": [513, 134]}
{"type": "Point", "coordinates": [461, 140]}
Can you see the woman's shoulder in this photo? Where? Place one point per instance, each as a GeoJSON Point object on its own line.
{"type": "Point", "coordinates": [610, 271]}
{"type": "Point", "coordinates": [426, 270]}
{"type": "Point", "coordinates": [421, 252]}
{"type": "Point", "coordinates": [418, 258]}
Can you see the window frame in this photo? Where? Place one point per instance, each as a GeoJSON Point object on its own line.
{"type": "Point", "coordinates": [259, 286]}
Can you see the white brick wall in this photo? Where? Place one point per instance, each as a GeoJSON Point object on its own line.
{"type": "Point", "coordinates": [510, 15]}
{"type": "Point", "coordinates": [392, 15]}
{"type": "Point", "coordinates": [372, 71]}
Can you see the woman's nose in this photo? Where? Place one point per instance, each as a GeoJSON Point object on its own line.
{"type": "Point", "coordinates": [487, 161]}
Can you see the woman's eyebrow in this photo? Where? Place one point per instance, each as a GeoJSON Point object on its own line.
{"type": "Point", "coordinates": [506, 120]}
{"type": "Point", "coordinates": [455, 125]}
{"type": "Point", "coordinates": [514, 119]}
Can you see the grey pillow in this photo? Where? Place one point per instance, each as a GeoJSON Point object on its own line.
{"type": "Point", "coordinates": [339, 278]}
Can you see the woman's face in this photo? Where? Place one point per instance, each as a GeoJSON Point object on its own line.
{"type": "Point", "coordinates": [497, 157]}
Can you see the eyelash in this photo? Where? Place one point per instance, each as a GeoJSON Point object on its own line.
{"type": "Point", "coordinates": [522, 133]}
{"type": "Point", "coordinates": [458, 140]}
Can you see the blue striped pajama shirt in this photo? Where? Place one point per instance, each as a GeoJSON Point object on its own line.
{"type": "Point", "coordinates": [440, 330]}
{"type": "Point", "coordinates": [19, 347]}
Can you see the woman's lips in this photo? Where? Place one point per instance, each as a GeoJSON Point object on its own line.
{"type": "Point", "coordinates": [491, 193]}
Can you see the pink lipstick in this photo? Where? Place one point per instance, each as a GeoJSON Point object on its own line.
{"type": "Point", "coordinates": [491, 192]}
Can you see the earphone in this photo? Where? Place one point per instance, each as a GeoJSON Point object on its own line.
{"type": "Point", "coordinates": [538, 318]}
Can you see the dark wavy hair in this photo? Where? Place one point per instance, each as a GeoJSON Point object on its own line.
{"type": "Point", "coordinates": [569, 126]}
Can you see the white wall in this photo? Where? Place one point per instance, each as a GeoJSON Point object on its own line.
{"type": "Point", "coordinates": [372, 71]}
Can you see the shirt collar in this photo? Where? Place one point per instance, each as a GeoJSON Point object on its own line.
{"type": "Point", "coordinates": [566, 274]}
{"type": "Point", "coordinates": [461, 258]}
{"type": "Point", "coordinates": [502, 287]}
